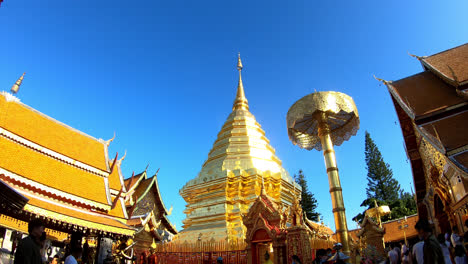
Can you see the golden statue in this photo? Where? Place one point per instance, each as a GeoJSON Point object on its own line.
{"type": "Point", "coordinates": [377, 212]}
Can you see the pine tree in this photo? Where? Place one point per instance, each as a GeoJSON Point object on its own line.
{"type": "Point", "coordinates": [382, 187]}
{"type": "Point", "coordinates": [380, 182]}
{"type": "Point", "coordinates": [308, 201]}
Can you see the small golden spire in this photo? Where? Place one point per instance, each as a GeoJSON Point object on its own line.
{"type": "Point", "coordinates": [239, 63]}
{"type": "Point", "coordinates": [16, 86]}
{"type": "Point", "coordinates": [263, 192]}
{"type": "Point", "coordinates": [240, 103]}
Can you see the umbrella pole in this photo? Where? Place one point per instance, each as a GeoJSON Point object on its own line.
{"type": "Point", "coordinates": [334, 181]}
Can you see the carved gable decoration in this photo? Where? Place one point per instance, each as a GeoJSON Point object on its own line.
{"type": "Point", "coordinates": [263, 214]}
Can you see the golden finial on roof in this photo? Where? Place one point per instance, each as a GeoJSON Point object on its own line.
{"type": "Point", "coordinates": [125, 155]}
{"type": "Point", "coordinates": [16, 86]}
{"type": "Point", "coordinates": [110, 140]}
{"type": "Point", "coordinates": [240, 103]}
{"type": "Point", "coordinates": [239, 63]}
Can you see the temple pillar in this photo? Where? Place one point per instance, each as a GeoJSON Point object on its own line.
{"type": "Point", "coordinates": [298, 239]}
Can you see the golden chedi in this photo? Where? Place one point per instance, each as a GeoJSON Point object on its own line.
{"type": "Point", "coordinates": [231, 178]}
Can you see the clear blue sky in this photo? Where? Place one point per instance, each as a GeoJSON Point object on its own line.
{"type": "Point", "coordinates": [162, 75]}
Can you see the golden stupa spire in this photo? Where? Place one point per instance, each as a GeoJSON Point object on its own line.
{"type": "Point", "coordinates": [240, 103]}
{"type": "Point", "coordinates": [15, 88]}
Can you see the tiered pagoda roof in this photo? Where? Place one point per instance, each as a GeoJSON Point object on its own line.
{"type": "Point", "coordinates": [436, 99]}
{"type": "Point", "coordinates": [229, 180]}
{"type": "Point", "coordinates": [432, 107]}
{"type": "Point", "coordinates": [146, 210]}
{"type": "Point", "coordinates": [66, 175]}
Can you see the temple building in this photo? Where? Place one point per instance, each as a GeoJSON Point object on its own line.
{"type": "Point", "coordinates": [65, 177]}
{"type": "Point", "coordinates": [230, 179]}
{"type": "Point", "coordinates": [147, 212]}
{"type": "Point", "coordinates": [432, 107]}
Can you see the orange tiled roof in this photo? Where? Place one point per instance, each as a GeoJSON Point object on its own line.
{"type": "Point", "coordinates": [76, 217]}
{"type": "Point", "coordinates": [47, 132]}
{"type": "Point", "coordinates": [451, 64]}
{"type": "Point", "coordinates": [114, 178]}
{"type": "Point", "coordinates": [51, 172]}
{"type": "Point", "coordinates": [118, 210]}
{"type": "Point", "coordinates": [130, 182]}
{"type": "Point", "coordinates": [134, 222]}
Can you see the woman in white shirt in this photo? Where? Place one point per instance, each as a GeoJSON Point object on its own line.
{"type": "Point", "coordinates": [445, 249]}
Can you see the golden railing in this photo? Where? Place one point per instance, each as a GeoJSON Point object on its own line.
{"type": "Point", "coordinates": [201, 246]}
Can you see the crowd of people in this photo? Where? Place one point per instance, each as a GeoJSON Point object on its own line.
{"type": "Point", "coordinates": [429, 249]}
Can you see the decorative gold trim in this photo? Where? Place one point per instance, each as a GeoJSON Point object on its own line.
{"type": "Point", "coordinates": [77, 221]}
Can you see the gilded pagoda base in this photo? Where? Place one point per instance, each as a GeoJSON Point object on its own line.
{"type": "Point", "coordinates": [219, 218]}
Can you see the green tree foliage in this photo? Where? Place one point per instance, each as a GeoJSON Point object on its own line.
{"type": "Point", "coordinates": [380, 182]}
{"type": "Point", "coordinates": [308, 201]}
{"type": "Point", "coordinates": [382, 187]}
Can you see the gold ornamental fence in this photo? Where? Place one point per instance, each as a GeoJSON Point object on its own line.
{"type": "Point", "coordinates": [207, 252]}
{"type": "Point", "coordinates": [202, 252]}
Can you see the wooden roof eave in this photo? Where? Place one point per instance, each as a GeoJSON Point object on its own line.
{"type": "Point", "coordinates": [156, 185]}
{"type": "Point", "coordinates": [135, 185]}
{"type": "Point", "coordinates": [148, 188]}
{"type": "Point", "coordinates": [13, 198]}
{"type": "Point", "coordinates": [399, 100]}
{"type": "Point", "coordinates": [451, 80]}
{"type": "Point", "coordinates": [412, 115]}
{"type": "Point", "coordinates": [169, 226]}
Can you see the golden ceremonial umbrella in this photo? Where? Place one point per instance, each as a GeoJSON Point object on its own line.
{"type": "Point", "coordinates": [319, 121]}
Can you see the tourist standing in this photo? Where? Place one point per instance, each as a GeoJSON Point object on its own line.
{"type": "Point", "coordinates": [418, 252]}
{"type": "Point", "coordinates": [320, 256]}
{"type": "Point", "coordinates": [460, 255]}
{"type": "Point", "coordinates": [393, 255]}
{"type": "Point", "coordinates": [28, 251]}
{"type": "Point", "coordinates": [445, 249]}
{"type": "Point", "coordinates": [75, 255]}
{"type": "Point", "coordinates": [456, 239]}
{"type": "Point", "coordinates": [398, 251]}
{"type": "Point", "coordinates": [457, 243]}
{"type": "Point", "coordinates": [432, 251]}
{"type": "Point", "coordinates": [405, 259]}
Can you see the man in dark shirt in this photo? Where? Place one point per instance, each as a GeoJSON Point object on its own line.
{"type": "Point", "coordinates": [28, 251]}
{"type": "Point", "coordinates": [432, 250]}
